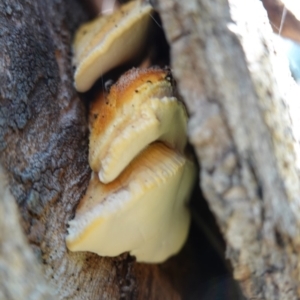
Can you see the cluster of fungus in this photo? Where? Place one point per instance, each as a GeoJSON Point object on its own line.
{"type": "Point", "coordinates": [141, 178]}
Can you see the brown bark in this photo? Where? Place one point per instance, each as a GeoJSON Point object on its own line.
{"type": "Point", "coordinates": [282, 20]}
{"type": "Point", "coordinates": [44, 144]}
{"type": "Point", "coordinates": [232, 82]}
{"type": "Point", "coordinates": [43, 147]}
{"type": "Point", "coordinates": [240, 129]}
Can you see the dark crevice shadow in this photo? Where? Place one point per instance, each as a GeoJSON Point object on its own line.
{"type": "Point", "coordinates": [205, 272]}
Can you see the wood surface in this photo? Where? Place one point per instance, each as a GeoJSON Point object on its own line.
{"type": "Point", "coordinates": [243, 113]}
{"type": "Point", "coordinates": [233, 83]}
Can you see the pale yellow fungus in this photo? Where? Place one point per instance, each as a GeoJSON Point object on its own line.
{"type": "Point", "coordinates": [144, 211]}
{"type": "Point", "coordinates": [108, 41]}
{"type": "Point", "coordinates": [139, 110]}
{"type": "Point", "coordinates": [137, 197]}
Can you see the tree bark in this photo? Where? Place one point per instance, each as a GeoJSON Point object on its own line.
{"type": "Point", "coordinates": [44, 145]}
{"type": "Point", "coordinates": [20, 275]}
{"type": "Point", "coordinates": [241, 129]}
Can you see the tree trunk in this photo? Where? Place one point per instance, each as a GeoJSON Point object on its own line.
{"type": "Point", "coordinates": [20, 275]}
{"type": "Point", "coordinates": [240, 128]}
{"type": "Point", "coordinates": [44, 144]}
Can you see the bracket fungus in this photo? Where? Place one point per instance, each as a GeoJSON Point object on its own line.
{"type": "Point", "coordinates": [138, 131]}
{"type": "Point", "coordinates": [142, 177]}
{"type": "Point", "coordinates": [144, 211]}
{"type": "Point", "coordinates": [139, 109]}
{"type": "Point", "coordinates": [108, 41]}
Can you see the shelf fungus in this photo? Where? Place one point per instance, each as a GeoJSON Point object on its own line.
{"type": "Point", "coordinates": [139, 203]}
{"type": "Point", "coordinates": [108, 41]}
{"type": "Point", "coordinates": [139, 110]}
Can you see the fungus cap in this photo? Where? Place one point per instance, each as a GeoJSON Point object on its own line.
{"type": "Point", "coordinates": [140, 109]}
{"type": "Point", "coordinates": [108, 41]}
{"type": "Point", "coordinates": [144, 211]}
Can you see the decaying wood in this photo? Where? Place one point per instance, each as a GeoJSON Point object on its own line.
{"type": "Point", "coordinates": [44, 144]}
{"type": "Point", "coordinates": [240, 127]}
{"type": "Point", "coordinates": [283, 21]}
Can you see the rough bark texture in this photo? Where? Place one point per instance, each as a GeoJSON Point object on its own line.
{"type": "Point", "coordinates": [44, 144]}
{"type": "Point", "coordinates": [231, 81]}
{"type": "Point", "coordinates": [240, 128]}
{"type": "Point", "coordinates": [20, 275]}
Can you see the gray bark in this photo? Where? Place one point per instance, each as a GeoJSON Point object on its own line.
{"type": "Point", "coordinates": [241, 129]}
{"type": "Point", "coordinates": [20, 275]}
